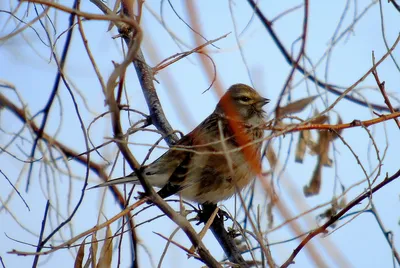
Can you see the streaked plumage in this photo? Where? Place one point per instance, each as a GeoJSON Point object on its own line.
{"type": "Point", "coordinates": [197, 165]}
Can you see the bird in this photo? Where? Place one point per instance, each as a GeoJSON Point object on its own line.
{"type": "Point", "coordinates": [209, 164]}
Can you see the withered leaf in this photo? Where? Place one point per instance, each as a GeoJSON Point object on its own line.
{"type": "Point", "coordinates": [315, 184]}
{"type": "Point", "coordinates": [296, 106]}
{"type": "Point", "coordinates": [323, 144]}
{"type": "Point", "coordinates": [320, 119]}
{"type": "Point", "coordinates": [302, 146]}
{"type": "Point", "coordinates": [93, 250]}
{"type": "Point", "coordinates": [106, 251]}
{"type": "Point", "coordinates": [322, 148]}
{"type": "Point", "coordinates": [80, 255]}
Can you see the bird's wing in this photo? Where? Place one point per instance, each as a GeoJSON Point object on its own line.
{"type": "Point", "coordinates": [176, 181]}
{"type": "Point", "coordinates": [131, 178]}
{"type": "Point", "coordinates": [159, 172]}
{"type": "Point", "coordinates": [173, 165]}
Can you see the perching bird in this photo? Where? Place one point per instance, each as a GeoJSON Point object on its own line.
{"type": "Point", "coordinates": [206, 165]}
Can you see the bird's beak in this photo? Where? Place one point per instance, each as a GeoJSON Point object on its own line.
{"type": "Point", "coordinates": [265, 101]}
{"type": "Point", "coordinates": [262, 102]}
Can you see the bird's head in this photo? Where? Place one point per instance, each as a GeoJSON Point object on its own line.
{"type": "Point", "coordinates": [245, 101]}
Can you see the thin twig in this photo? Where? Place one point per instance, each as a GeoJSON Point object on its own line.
{"type": "Point", "coordinates": [354, 123]}
{"type": "Point", "coordinates": [388, 234]}
{"type": "Point", "coordinates": [383, 91]}
{"type": "Point", "coordinates": [40, 242]}
{"type": "Point", "coordinates": [268, 25]}
{"type": "Point", "coordinates": [182, 55]}
{"type": "Point", "coordinates": [69, 243]}
{"type": "Point", "coordinates": [54, 91]}
{"type": "Point", "coordinates": [68, 152]}
{"type": "Point", "coordinates": [334, 218]}
{"type": "Point", "coordinates": [15, 189]}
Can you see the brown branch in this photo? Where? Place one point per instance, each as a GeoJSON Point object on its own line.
{"type": "Point", "coordinates": [383, 91]}
{"type": "Point", "coordinates": [354, 123]}
{"type": "Point", "coordinates": [146, 78]}
{"type": "Point", "coordinates": [69, 243]}
{"type": "Point", "coordinates": [124, 23]}
{"type": "Point", "coordinates": [182, 55]}
{"type": "Point", "coordinates": [333, 219]}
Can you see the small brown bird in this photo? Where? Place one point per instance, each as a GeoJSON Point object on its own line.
{"type": "Point", "coordinates": [209, 164]}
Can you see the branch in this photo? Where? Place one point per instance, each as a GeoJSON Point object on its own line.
{"type": "Point", "coordinates": [69, 243]}
{"type": "Point", "coordinates": [54, 91]}
{"type": "Point", "coordinates": [333, 219]}
{"type": "Point", "coordinates": [158, 119]}
{"type": "Point", "coordinates": [388, 234]}
{"type": "Point", "coordinates": [146, 77]}
{"type": "Point", "coordinates": [383, 91]}
{"type": "Point", "coordinates": [133, 49]}
{"type": "Point", "coordinates": [226, 241]}
{"type": "Point", "coordinates": [297, 61]}
{"type": "Point", "coordinates": [67, 151]}
{"type": "Point", "coordinates": [39, 246]}
{"type": "Point", "coordinates": [268, 25]}
{"type": "Point", "coordinates": [354, 123]}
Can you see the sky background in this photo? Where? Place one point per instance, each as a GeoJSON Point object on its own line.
{"type": "Point", "coordinates": [26, 63]}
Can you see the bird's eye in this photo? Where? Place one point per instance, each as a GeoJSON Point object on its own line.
{"type": "Point", "coordinates": [245, 99]}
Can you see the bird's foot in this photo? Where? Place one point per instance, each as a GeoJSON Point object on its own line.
{"type": "Point", "coordinates": [143, 195]}
{"type": "Point", "coordinates": [223, 215]}
{"type": "Point", "coordinates": [206, 212]}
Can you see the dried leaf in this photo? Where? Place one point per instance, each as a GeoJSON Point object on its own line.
{"type": "Point", "coordinates": [106, 251]}
{"type": "Point", "coordinates": [323, 143]}
{"type": "Point", "coordinates": [80, 255]}
{"type": "Point", "coordinates": [322, 148]}
{"type": "Point", "coordinates": [315, 184]}
{"type": "Point", "coordinates": [320, 119]}
{"type": "Point", "coordinates": [296, 106]}
{"type": "Point", "coordinates": [302, 145]}
{"type": "Point", "coordinates": [93, 250]}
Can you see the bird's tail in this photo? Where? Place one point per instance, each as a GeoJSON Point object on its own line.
{"type": "Point", "coordinates": [132, 178]}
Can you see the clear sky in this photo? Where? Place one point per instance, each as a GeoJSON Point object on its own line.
{"type": "Point", "coordinates": [27, 64]}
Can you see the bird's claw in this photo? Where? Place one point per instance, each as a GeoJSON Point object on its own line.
{"type": "Point", "coordinates": [223, 215]}
{"type": "Point", "coordinates": [204, 215]}
{"type": "Point", "coordinates": [142, 195]}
